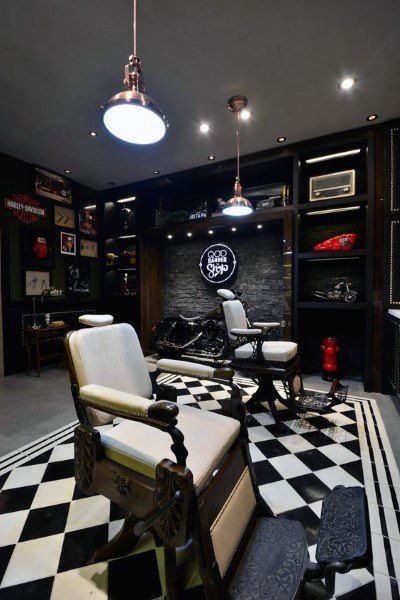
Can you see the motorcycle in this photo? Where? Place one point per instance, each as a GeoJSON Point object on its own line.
{"type": "Point", "coordinates": [340, 292]}
{"type": "Point", "coordinates": [201, 336]}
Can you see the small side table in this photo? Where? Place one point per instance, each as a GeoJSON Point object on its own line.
{"type": "Point", "coordinates": [35, 338]}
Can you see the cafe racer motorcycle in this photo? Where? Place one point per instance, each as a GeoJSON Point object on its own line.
{"type": "Point", "coordinates": [201, 336]}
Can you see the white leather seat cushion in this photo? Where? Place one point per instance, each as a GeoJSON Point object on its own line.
{"type": "Point", "coordinates": [96, 320]}
{"type": "Point", "coordinates": [208, 436]}
{"type": "Point", "coordinates": [272, 351]}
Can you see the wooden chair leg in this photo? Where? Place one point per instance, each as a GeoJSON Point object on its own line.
{"type": "Point", "coordinates": [121, 544]}
{"type": "Point", "coordinates": [171, 580]}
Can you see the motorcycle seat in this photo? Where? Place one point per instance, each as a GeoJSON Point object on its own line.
{"type": "Point", "coordinates": [190, 319]}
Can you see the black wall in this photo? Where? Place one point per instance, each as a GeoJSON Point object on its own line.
{"type": "Point", "coordinates": [17, 177]}
{"type": "Point", "coordinates": [260, 274]}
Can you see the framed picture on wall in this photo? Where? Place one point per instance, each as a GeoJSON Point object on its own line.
{"type": "Point", "coordinates": [77, 278]}
{"type": "Point", "coordinates": [64, 217]}
{"type": "Point", "coordinates": [36, 247]}
{"type": "Point", "coordinates": [35, 282]}
{"type": "Point", "coordinates": [67, 243]}
{"type": "Point", "coordinates": [89, 248]}
{"type": "Point", "coordinates": [52, 186]}
{"type": "Point", "coordinates": [88, 222]}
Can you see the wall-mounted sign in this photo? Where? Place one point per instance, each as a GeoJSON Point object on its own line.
{"type": "Point", "coordinates": [52, 186]}
{"type": "Point", "coordinates": [218, 264]}
{"type": "Point", "coordinates": [89, 248]}
{"type": "Point", "coordinates": [64, 217]}
{"type": "Point", "coordinates": [25, 208]}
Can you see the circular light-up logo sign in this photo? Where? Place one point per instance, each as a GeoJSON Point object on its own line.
{"type": "Point", "coordinates": [218, 264]}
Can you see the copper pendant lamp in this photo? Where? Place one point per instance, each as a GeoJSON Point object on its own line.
{"type": "Point", "coordinates": [237, 206]}
{"type": "Point", "coordinates": [130, 115]}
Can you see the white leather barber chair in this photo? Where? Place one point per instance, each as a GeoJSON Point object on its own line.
{"type": "Point", "coordinates": [266, 360]}
{"type": "Point", "coordinates": [185, 475]}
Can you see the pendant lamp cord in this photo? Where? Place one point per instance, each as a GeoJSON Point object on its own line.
{"type": "Point", "coordinates": [135, 27]}
{"type": "Point", "coordinates": [238, 146]}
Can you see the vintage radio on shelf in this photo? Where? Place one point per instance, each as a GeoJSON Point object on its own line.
{"type": "Point", "coordinates": [333, 185]}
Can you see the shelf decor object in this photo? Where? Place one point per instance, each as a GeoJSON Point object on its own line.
{"type": "Point", "coordinates": [237, 206]}
{"type": "Point", "coordinates": [132, 116]}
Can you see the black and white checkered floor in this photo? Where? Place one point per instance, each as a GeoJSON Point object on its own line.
{"type": "Point", "coordinates": [48, 529]}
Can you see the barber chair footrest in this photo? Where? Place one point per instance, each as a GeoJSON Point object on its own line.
{"type": "Point", "coordinates": [309, 401]}
{"type": "Point", "coordinates": [344, 537]}
{"type": "Point", "coordinates": [274, 564]}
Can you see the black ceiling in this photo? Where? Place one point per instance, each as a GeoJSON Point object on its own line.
{"type": "Point", "coordinates": [61, 59]}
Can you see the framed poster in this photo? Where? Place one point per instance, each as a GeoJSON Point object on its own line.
{"type": "Point", "coordinates": [52, 186]}
{"type": "Point", "coordinates": [67, 243]}
{"type": "Point", "coordinates": [89, 248]}
{"type": "Point", "coordinates": [88, 222]}
{"type": "Point", "coordinates": [36, 247]}
{"type": "Point", "coordinates": [77, 278]}
{"type": "Point", "coordinates": [64, 217]}
{"type": "Point", "coordinates": [35, 282]}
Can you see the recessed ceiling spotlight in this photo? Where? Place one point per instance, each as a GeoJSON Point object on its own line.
{"type": "Point", "coordinates": [92, 133]}
{"type": "Point", "coordinates": [156, 172]}
{"type": "Point", "coordinates": [111, 183]}
{"type": "Point", "coordinates": [347, 83]}
{"type": "Point", "coordinates": [233, 229]}
{"type": "Point", "coordinates": [67, 171]}
{"type": "Point", "coordinates": [372, 117]}
{"type": "Point", "coordinates": [170, 236]}
{"type": "Point", "coordinates": [189, 234]}
{"type": "Point", "coordinates": [259, 226]}
{"type": "Point", "coordinates": [204, 128]}
{"type": "Point", "coordinates": [211, 157]}
{"type": "Point", "coordinates": [281, 139]}
{"type": "Point", "coordinates": [210, 232]}
{"type": "Point", "coordinates": [245, 114]}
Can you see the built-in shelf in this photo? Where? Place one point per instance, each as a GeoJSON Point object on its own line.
{"type": "Point", "coordinates": [121, 269]}
{"type": "Point", "coordinates": [329, 255]}
{"type": "Point", "coordinates": [272, 214]}
{"type": "Point", "coordinates": [333, 305]}
{"type": "Point", "coordinates": [333, 203]}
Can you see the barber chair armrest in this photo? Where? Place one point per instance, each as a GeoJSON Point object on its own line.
{"type": "Point", "coordinates": [268, 325]}
{"type": "Point", "coordinates": [192, 369]}
{"type": "Point", "coordinates": [128, 406]}
{"type": "Point", "coordinates": [246, 332]}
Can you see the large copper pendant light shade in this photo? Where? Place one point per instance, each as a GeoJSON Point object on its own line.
{"type": "Point", "coordinates": [130, 115]}
{"type": "Point", "coordinates": [237, 206]}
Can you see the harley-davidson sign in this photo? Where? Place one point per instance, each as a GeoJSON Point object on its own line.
{"type": "Point", "coordinates": [218, 264]}
{"type": "Point", "coordinates": [25, 208]}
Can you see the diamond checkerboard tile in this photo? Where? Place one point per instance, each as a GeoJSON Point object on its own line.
{"type": "Point", "coordinates": [49, 529]}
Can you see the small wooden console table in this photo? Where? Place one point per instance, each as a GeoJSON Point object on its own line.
{"type": "Point", "coordinates": [34, 338]}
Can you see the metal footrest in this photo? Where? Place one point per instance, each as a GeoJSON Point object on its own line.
{"type": "Point", "coordinates": [274, 564]}
{"type": "Point", "coordinates": [319, 401]}
{"type": "Point", "coordinates": [344, 538]}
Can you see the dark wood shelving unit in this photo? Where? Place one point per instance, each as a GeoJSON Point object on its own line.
{"type": "Point", "coordinates": [333, 203]}
{"type": "Point", "coordinates": [331, 255]}
{"type": "Point", "coordinates": [354, 324]}
{"type": "Point", "coordinates": [272, 214]}
{"type": "Point", "coordinates": [332, 305]}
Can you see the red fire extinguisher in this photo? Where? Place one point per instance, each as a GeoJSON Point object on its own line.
{"type": "Point", "coordinates": [330, 348]}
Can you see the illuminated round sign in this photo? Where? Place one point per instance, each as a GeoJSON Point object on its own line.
{"type": "Point", "coordinates": [218, 264]}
